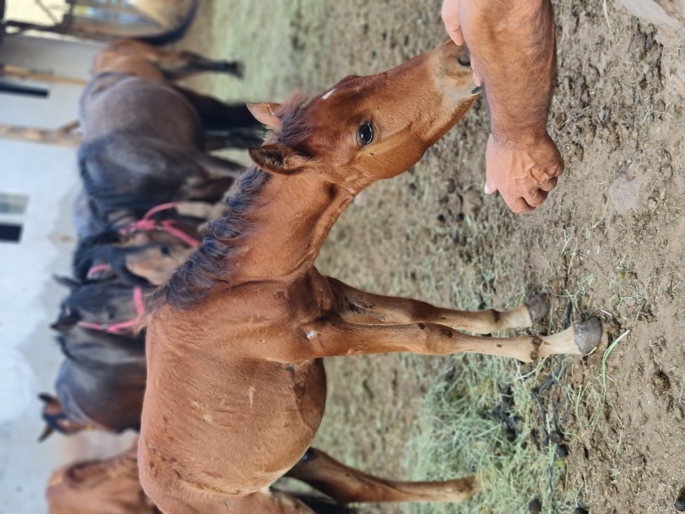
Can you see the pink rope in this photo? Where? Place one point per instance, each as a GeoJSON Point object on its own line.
{"type": "Point", "coordinates": [146, 224]}
{"type": "Point", "coordinates": [122, 326]}
{"type": "Point", "coordinates": [97, 269]}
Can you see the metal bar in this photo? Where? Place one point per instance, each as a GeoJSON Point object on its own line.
{"type": "Point", "coordinates": [21, 73]}
{"type": "Point", "coordinates": [37, 135]}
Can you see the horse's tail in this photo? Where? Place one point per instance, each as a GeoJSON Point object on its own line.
{"type": "Point", "coordinates": [175, 33]}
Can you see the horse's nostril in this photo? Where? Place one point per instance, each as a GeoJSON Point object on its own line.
{"type": "Point", "coordinates": [464, 60]}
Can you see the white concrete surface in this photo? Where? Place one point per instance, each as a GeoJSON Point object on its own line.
{"type": "Point", "coordinates": [29, 299]}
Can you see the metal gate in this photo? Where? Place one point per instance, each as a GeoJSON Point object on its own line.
{"type": "Point", "coordinates": [102, 20]}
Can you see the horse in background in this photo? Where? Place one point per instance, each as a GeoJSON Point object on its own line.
{"type": "Point", "coordinates": [101, 383]}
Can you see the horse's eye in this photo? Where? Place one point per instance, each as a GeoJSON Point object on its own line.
{"type": "Point", "coordinates": [464, 60]}
{"type": "Point", "coordinates": [366, 133]}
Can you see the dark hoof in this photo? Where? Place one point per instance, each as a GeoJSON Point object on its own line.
{"type": "Point", "coordinates": [588, 335]}
{"type": "Point", "coordinates": [538, 306]}
{"type": "Point", "coordinates": [535, 507]}
{"type": "Point", "coordinates": [680, 502]}
{"type": "Point", "coordinates": [237, 69]}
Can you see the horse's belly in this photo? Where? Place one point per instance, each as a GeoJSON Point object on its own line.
{"type": "Point", "coordinates": [231, 431]}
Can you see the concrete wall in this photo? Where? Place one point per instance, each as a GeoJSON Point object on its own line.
{"type": "Point", "coordinates": [29, 302]}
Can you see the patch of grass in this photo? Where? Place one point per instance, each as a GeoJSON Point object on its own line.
{"type": "Point", "coordinates": [457, 435]}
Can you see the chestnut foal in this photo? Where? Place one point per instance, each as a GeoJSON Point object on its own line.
{"type": "Point", "coordinates": [236, 385]}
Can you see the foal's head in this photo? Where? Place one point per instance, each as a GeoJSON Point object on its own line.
{"type": "Point", "coordinates": [145, 258]}
{"type": "Point", "coordinates": [368, 128]}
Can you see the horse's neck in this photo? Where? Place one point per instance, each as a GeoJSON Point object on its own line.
{"type": "Point", "coordinates": [291, 220]}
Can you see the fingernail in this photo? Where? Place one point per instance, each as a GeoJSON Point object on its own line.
{"type": "Point", "coordinates": [487, 189]}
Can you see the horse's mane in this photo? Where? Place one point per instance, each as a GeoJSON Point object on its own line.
{"type": "Point", "coordinates": [192, 281]}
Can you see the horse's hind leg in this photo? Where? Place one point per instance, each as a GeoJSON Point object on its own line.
{"type": "Point", "coordinates": [197, 63]}
{"type": "Point", "coordinates": [358, 306]}
{"type": "Point", "coordinates": [347, 485]}
{"type": "Point", "coordinates": [175, 65]}
{"type": "Point", "coordinates": [232, 125]}
{"type": "Point", "coordinates": [217, 115]}
{"type": "Point", "coordinates": [262, 502]}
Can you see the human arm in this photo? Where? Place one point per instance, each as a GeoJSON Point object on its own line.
{"type": "Point", "coordinates": [513, 55]}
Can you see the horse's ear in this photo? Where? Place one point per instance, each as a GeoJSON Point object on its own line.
{"type": "Point", "coordinates": [70, 283]}
{"type": "Point", "coordinates": [265, 113]}
{"type": "Point", "coordinates": [46, 433]}
{"type": "Point", "coordinates": [65, 323]}
{"type": "Point", "coordinates": [278, 159]}
{"type": "Point", "coordinates": [48, 399]}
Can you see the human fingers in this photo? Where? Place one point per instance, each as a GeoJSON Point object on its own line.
{"type": "Point", "coordinates": [535, 197]}
{"type": "Point", "coordinates": [518, 205]}
{"type": "Point", "coordinates": [548, 185]}
{"type": "Point", "coordinates": [489, 187]}
{"type": "Point", "coordinates": [450, 17]}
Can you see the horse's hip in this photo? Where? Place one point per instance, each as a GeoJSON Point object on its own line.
{"type": "Point", "coordinates": [119, 102]}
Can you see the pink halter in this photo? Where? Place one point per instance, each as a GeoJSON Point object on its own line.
{"type": "Point", "coordinates": [122, 326]}
{"type": "Point", "coordinates": [169, 226]}
{"type": "Point", "coordinates": [97, 269]}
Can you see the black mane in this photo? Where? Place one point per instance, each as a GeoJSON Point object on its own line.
{"type": "Point", "coordinates": [191, 282]}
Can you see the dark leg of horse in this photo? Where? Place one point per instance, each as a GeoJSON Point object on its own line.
{"type": "Point", "coordinates": [216, 167]}
{"type": "Point", "coordinates": [232, 125]}
{"type": "Point", "coordinates": [237, 139]}
{"type": "Point", "coordinates": [347, 485]}
{"type": "Point", "coordinates": [211, 189]}
{"type": "Point", "coordinates": [196, 63]}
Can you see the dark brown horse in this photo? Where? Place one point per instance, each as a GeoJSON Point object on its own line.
{"type": "Point", "coordinates": [145, 140]}
{"type": "Point", "coordinates": [101, 382]}
{"type": "Point", "coordinates": [236, 384]}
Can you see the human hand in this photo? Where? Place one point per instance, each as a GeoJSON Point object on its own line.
{"type": "Point", "coordinates": [450, 16]}
{"type": "Point", "coordinates": [524, 172]}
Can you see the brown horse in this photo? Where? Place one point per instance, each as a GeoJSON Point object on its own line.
{"type": "Point", "coordinates": [99, 487]}
{"type": "Point", "coordinates": [166, 64]}
{"type": "Point", "coordinates": [112, 486]}
{"type": "Point", "coordinates": [236, 385]}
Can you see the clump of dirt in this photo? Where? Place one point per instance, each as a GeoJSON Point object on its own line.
{"type": "Point", "coordinates": [610, 239]}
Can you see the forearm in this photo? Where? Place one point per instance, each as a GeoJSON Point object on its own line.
{"type": "Point", "coordinates": [513, 51]}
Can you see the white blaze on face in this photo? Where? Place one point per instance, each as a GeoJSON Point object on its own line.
{"type": "Point", "coordinates": [327, 95]}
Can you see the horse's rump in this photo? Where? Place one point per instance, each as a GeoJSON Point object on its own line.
{"type": "Point", "coordinates": [120, 101]}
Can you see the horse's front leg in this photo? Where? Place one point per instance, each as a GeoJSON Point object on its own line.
{"type": "Point", "coordinates": [216, 167]}
{"type": "Point", "coordinates": [331, 337]}
{"type": "Point", "coordinates": [347, 485]}
{"type": "Point", "coordinates": [358, 306]}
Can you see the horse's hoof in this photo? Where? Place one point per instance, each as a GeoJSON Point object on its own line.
{"type": "Point", "coordinates": [588, 335]}
{"type": "Point", "coordinates": [538, 307]}
{"type": "Point", "coordinates": [237, 69]}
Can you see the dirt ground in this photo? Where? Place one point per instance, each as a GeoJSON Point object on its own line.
{"type": "Point", "coordinates": [610, 239]}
